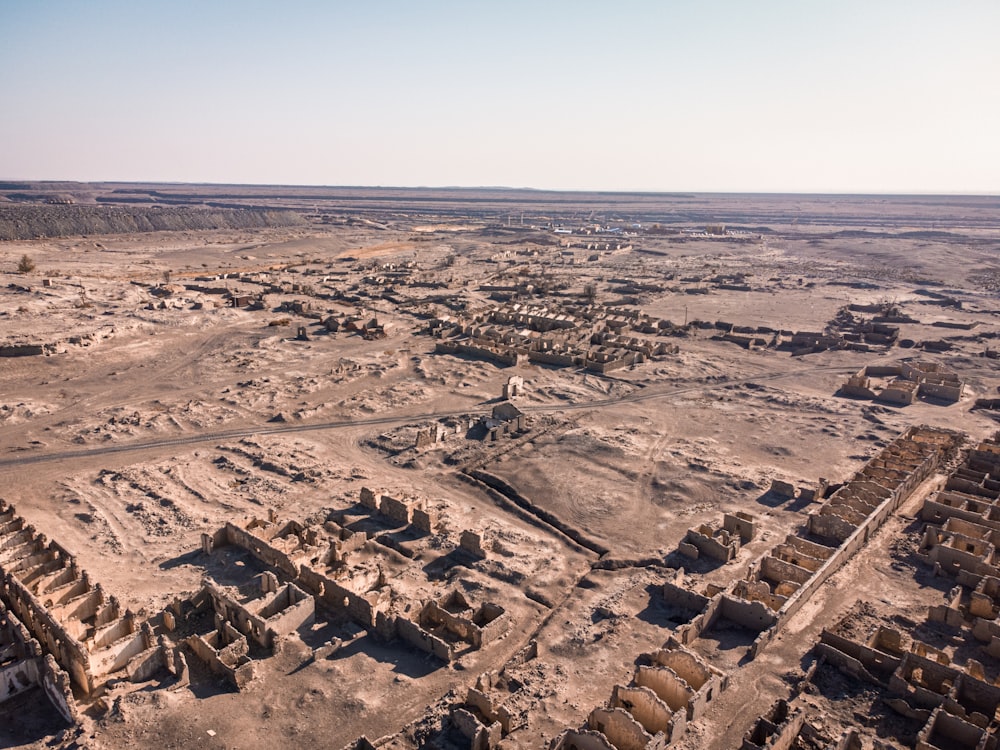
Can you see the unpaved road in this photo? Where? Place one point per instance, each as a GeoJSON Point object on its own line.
{"type": "Point", "coordinates": [649, 394]}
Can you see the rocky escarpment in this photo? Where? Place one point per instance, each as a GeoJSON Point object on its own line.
{"type": "Point", "coordinates": [23, 222]}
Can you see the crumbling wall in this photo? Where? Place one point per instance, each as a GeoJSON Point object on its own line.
{"type": "Point", "coordinates": [116, 657]}
{"type": "Point", "coordinates": [423, 521]}
{"type": "Point", "coordinates": [56, 685]}
{"type": "Point", "coordinates": [398, 511]}
{"type": "Point", "coordinates": [914, 455]}
{"type": "Point", "coordinates": [19, 676]}
{"type": "Point", "coordinates": [556, 358]}
{"type": "Point", "coordinates": [20, 656]}
{"type": "Point", "coordinates": [25, 350]}
{"type": "Point", "coordinates": [290, 609]}
{"type": "Point", "coordinates": [861, 658]}
{"type": "Point", "coordinates": [685, 665]}
{"type": "Point", "coordinates": [716, 544]}
{"type": "Point", "coordinates": [410, 632]}
{"type": "Point", "coordinates": [260, 549]}
{"type": "Point", "coordinates": [480, 736]}
{"type": "Point", "coordinates": [944, 732]}
{"type": "Point", "coordinates": [703, 681]}
{"type": "Point", "coordinates": [773, 569]}
{"type": "Point", "coordinates": [828, 525]}
{"type": "Point", "coordinates": [477, 627]}
{"type": "Point", "coordinates": [741, 524]}
{"type": "Point", "coordinates": [246, 622]}
{"type": "Point", "coordinates": [945, 505]}
{"type": "Point", "coordinates": [580, 739]}
{"type": "Point", "coordinates": [226, 652]}
{"type": "Point", "coordinates": [954, 553]}
{"type": "Point", "coordinates": [432, 614]}
{"type": "Point", "coordinates": [624, 732]}
{"type": "Point", "coordinates": [682, 598]}
{"type": "Point", "coordinates": [755, 616]}
{"type": "Point", "coordinates": [760, 591]}
{"type": "Point", "coordinates": [686, 634]}
{"type": "Point", "coordinates": [492, 622]}
{"type": "Point", "coordinates": [927, 679]}
{"type": "Point", "coordinates": [858, 385]}
{"type": "Point", "coordinates": [513, 388]}
{"type": "Point", "coordinates": [369, 498]}
{"type": "Point", "coordinates": [472, 542]}
{"type": "Point", "coordinates": [145, 664]}
{"type": "Point", "coordinates": [504, 357]}
{"type": "Point", "coordinates": [495, 711]}
{"type": "Point", "coordinates": [974, 699]}
{"type": "Point", "coordinates": [668, 686]}
{"type": "Point", "coordinates": [278, 611]}
{"type": "Point", "coordinates": [161, 657]}
{"type": "Point", "coordinates": [778, 729]}
{"type": "Point", "coordinates": [802, 552]}
{"type": "Point", "coordinates": [55, 638]}
{"type": "Point", "coordinates": [344, 543]}
{"type": "Point", "coordinates": [781, 488]}
{"type": "Point", "coordinates": [360, 608]}
{"type": "Point", "coordinates": [24, 666]}
{"type": "Point", "coordinates": [902, 392]}
{"type": "Point", "coordinates": [644, 705]}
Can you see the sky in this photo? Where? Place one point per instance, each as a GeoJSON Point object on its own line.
{"type": "Point", "coordinates": [844, 96]}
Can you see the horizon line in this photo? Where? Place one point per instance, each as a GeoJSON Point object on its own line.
{"type": "Point", "coordinates": [836, 193]}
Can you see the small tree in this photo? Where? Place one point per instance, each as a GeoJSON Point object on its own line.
{"type": "Point", "coordinates": [26, 264]}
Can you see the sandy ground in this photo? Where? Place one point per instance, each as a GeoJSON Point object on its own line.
{"type": "Point", "coordinates": [159, 416]}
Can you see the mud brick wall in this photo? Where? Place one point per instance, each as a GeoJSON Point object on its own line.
{"type": "Point", "coordinates": [67, 650]}
{"type": "Point", "coordinates": [702, 538]}
{"type": "Point", "coordinates": [399, 511]}
{"type": "Point", "coordinates": [416, 636]}
{"type": "Point", "coordinates": [574, 739]}
{"type": "Point", "coordinates": [260, 549]}
{"type": "Point", "coordinates": [619, 727]}
{"type": "Point", "coordinates": [491, 621]}
{"type": "Point", "coordinates": [775, 570]}
{"type": "Point", "coordinates": [645, 706]}
{"type": "Point", "coordinates": [340, 599]}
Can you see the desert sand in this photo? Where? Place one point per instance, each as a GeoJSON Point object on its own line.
{"type": "Point", "coordinates": [682, 358]}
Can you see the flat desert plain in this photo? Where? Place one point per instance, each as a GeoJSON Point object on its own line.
{"type": "Point", "coordinates": [497, 469]}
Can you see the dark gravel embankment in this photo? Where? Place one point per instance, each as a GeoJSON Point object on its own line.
{"type": "Point", "coordinates": [25, 222]}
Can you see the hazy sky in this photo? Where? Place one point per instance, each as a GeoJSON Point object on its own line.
{"type": "Point", "coordinates": [699, 95]}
